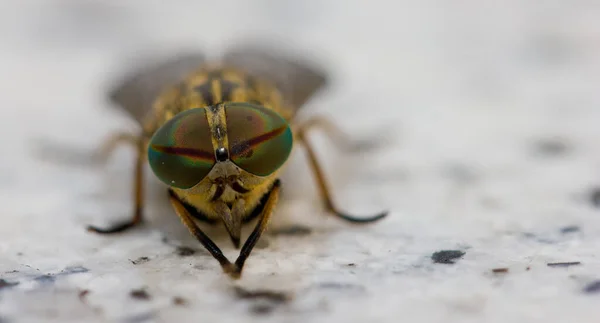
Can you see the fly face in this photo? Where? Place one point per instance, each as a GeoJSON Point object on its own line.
{"type": "Point", "coordinates": [195, 145]}
{"type": "Point", "coordinates": [220, 154]}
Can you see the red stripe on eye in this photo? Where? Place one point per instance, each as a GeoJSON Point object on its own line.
{"type": "Point", "coordinates": [244, 147]}
{"type": "Point", "coordinates": [187, 152]}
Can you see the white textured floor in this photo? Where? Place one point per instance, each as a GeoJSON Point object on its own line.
{"type": "Point", "coordinates": [490, 114]}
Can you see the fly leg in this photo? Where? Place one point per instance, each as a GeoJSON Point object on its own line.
{"type": "Point", "coordinates": [235, 271]}
{"type": "Point", "coordinates": [107, 148]}
{"type": "Point", "coordinates": [324, 190]}
{"type": "Point", "coordinates": [187, 220]}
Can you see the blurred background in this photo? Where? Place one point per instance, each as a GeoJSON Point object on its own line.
{"type": "Point", "coordinates": [486, 113]}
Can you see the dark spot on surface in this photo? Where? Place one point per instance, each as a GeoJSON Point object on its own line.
{"type": "Point", "coordinates": [202, 267]}
{"type": "Point", "coordinates": [446, 256]}
{"type": "Point", "coordinates": [262, 309]}
{"type": "Point", "coordinates": [529, 235]}
{"type": "Point", "coordinates": [592, 288]}
{"type": "Point", "coordinates": [140, 294]}
{"type": "Point", "coordinates": [351, 264]}
{"type": "Point", "coordinates": [139, 318]}
{"type": "Point", "coordinates": [460, 173]}
{"type": "Point", "coordinates": [262, 301]}
{"type": "Point", "coordinates": [45, 279]}
{"type": "Point", "coordinates": [273, 296]}
{"type": "Point", "coordinates": [31, 267]}
{"type": "Point", "coordinates": [12, 272]}
{"type": "Point", "coordinates": [5, 284]}
{"type": "Point", "coordinates": [595, 197]}
{"type": "Point", "coordinates": [564, 264]}
{"type": "Point", "coordinates": [341, 286]}
{"type": "Point", "coordinates": [537, 238]}
{"type": "Point", "coordinates": [179, 301]}
{"type": "Point", "coordinates": [140, 260]}
{"type": "Point", "coordinates": [551, 147]}
{"type": "Point", "coordinates": [500, 270]}
{"type": "Point", "coordinates": [295, 230]}
{"type": "Point", "coordinates": [51, 278]}
{"type": "Point", "coordinates": [82, 294]}
{"type": "Point", "coordinates": [184, 251]}
{"type": "Point", "coordinates": [570, 229]}
{"type": "Point", "coordinates": [249, 118]}
{"type": "Point", "coordinates": [528, 268]}
{"type": "Point", "coordinates": [73, 270]}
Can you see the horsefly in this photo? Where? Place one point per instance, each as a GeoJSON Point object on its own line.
{"type": "Point", "coordinates": [217, 134]}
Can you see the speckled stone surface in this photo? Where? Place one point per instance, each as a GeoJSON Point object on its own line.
{"type": "Point", "coordinates": [489, 114]}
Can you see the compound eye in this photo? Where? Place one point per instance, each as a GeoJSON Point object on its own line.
{"type": "Point", "coordinates": [260, 140]}
{"type": "Point", "coordinates": [181, 153]}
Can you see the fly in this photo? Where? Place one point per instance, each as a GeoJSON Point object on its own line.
{"type": "Point", "coordinates": [218, 134]}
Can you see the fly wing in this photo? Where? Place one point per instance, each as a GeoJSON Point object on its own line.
{"type": "Point", "coordinates": [297, 80]}
{"type": "Point", "coordinates": [137, 90]}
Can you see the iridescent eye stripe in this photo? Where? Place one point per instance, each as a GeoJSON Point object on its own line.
{"type": "Point", "coordinates": [187, 152]}
{"type": "Point", "coordinates": [242, 147]}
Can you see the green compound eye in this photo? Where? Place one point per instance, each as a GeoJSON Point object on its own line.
{"type": "Point", "coordinates": [181, 153]}
{"type": "Point", "coordinates": [260, 140]}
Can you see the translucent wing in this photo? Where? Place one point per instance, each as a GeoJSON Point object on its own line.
{"type": "Point", "coordinates": [297, 80]}
{"type": "Point", "coordinates": [138, 89]}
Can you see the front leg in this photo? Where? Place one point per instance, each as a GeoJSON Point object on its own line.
{"type": "Point", "coordinates": [235, 271]}
{"type": "Point", "coordinates": [188, 221]}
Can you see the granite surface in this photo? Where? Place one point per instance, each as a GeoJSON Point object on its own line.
{"type": "Point", "coordinates": [486, 117]}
